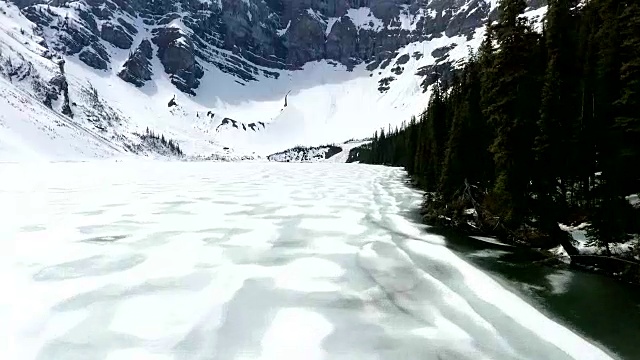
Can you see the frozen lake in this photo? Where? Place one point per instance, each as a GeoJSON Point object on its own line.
{"type": "Point", "coordinates": [161, 260]}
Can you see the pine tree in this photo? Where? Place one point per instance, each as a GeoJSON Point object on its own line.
{"type": "Point", "coordinates": [558, 115]}
{"type": "Point", "coordinates": [467, 156]}
{"type": "Point", "coordinates": [480, 168]}
{"type": "Point", "coordinates": [434, 139]}
{"type": "Point", "coordinates": [510, 104]}
{"type": "Point", "coordinates": [421, 145]}
{"type": "Point", "coordinates": [382, 148]}
{"type": "Point", "coordinates": [608, 213]}
{"type": "Point", "coordinates": [411, 146]}
{"type": "Point", "coordinates": [453, 174]}
{"type": "Point", "coordinates": [628, 105]}
{"type": "Point", "coordinates": [588, 133]}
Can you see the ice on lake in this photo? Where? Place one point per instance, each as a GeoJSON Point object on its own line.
{"type": "Point", "coordinates": [165, 260]}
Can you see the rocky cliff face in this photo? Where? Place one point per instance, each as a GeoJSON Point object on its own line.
{"type": "Point", "coordinates": [246, 38]}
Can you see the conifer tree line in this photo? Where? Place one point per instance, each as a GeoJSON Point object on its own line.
{"type": "Point", "coordinates": [161, 141]}
{"type": "Point", "coordinates": [538, 128]}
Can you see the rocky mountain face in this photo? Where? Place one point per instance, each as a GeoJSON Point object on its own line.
{"type": "Point", "coordinates": [249, 38]}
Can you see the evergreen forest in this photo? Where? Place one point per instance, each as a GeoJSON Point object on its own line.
{"type": "Point", "coordinates": [538, 128]}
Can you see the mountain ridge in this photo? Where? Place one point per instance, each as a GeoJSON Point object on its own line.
{"type": "Point", "coordinates": [142, 54]}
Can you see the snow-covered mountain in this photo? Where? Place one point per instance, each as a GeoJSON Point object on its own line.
{"type": "Point", "coordinates": [92, 78]}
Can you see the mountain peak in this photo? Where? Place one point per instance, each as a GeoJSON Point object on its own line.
{"type": "Point", "coordinates": [349, 66]}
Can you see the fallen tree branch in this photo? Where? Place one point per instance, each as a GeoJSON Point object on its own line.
{"type": "Point", "coordinates": [608, 258]}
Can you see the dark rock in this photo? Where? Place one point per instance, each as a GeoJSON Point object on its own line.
{"type": "Point", "coordinates": [531, 5]}
{"type": "Point", "coordinates": [248, 29]}
{"type": "Point", "coordinates": [366, 44]}
{"type": "Point", "coordinates": [116, 35]}
{"type": "Point", "coordinates": [305, 39]}
{"type": "Point", "coordinates": [101, 51]}
{"type": "Point", "coordinates": [403, 59]}
{"type": "Point", "coordinates": [384, 84]}
{"type": "Point", "coordinates": [168, 18]}
{"type": "Point", "coordinates": [176, 54]}
{"type": "Point", "coordinates": [172, 102]}
{"type": "Point", "coordinates": [126, 5]}
{"type": "Point", "coordinates": [333, 150]}
{"type": "Point", "coordinates": [145, 49]}
{"type": "Point", "coordinates": [246, 38]}
{"type": "Point", "coordinates": [25, 3]}
{"type": "Point", "coordinates": [38, 16]}
{"type": "Point", "coordinates": [137, 69]}
{"type": "Point", "coordinates": [47, 92]}
{"type": "Point", "coordinates": [432, 73]}
{"type": "Point", "coordinates": [59, 82]}
{"type": "Point", "coordinates": [66, 109]}
{"type": "Point", "coordinates": [92, 59]}
{"type": "Point", "coordinates": [373, 65]}
{"type": "Point", "coordinates": [341, 42]}
{"type": "Point", "coordinates": [130, 28]}
{"type": "Point", "coordinates": [536, 4]}
{"type": "Point", "coordinates": [102, 13]}
{"type": "Point", "coordinates": [464, 23]}
{"type": "Point", "coordinates": [386, 63]}
{"type": "Point", "coordinates": [89, 20]}
{"type": "Point", "coordinates": [73, 40]}
{"type": "Point", "coordinates": [95, 3]}
{"type": "Point", "coordinates": [388, 41]}
{"type": "Point", "coordinates": [442, 51]}
{"type": "Point", "coordinates": [385, 9]}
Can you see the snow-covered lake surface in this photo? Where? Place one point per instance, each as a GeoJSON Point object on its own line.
{"type": "Point", "coordinates": [162, 260]}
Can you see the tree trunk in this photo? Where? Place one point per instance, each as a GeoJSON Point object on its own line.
{"type": "Point", "coordinates": [565, 241]}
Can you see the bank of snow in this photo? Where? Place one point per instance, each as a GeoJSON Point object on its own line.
{"type": "Point", "coordinates": [579, 236]}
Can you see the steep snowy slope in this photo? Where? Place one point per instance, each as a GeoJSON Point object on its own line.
{"type": "Point", "coordinates": [329, 104]}
{"type": "Point", "coordinates": [28, 128]}
{"type": "Point", "coordinates": [111, 70]}
{"type": "Point", "coordinates": [49, 113]}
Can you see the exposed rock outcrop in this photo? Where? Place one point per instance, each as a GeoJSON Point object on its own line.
{"type": "Point", "coordinates": [246, 38]}
{"type": "Point", "coordinates": [137, 69]}
{"type": "Point", "coordinates": [176, 53]}
{"type": "Point", "coordinates": [116, 35]}
{"type": "Point", "coordinates": [92, 59]}
{"type": "Point", "coordinates": [305, 39]}
{"type": "Point", "coordinates": [342, 42]}
{"type": "Point", "coordinates": [442, 51]}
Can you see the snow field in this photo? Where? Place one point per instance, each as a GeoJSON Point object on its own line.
{"type": "Point", "coordinates": [245, 261]}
